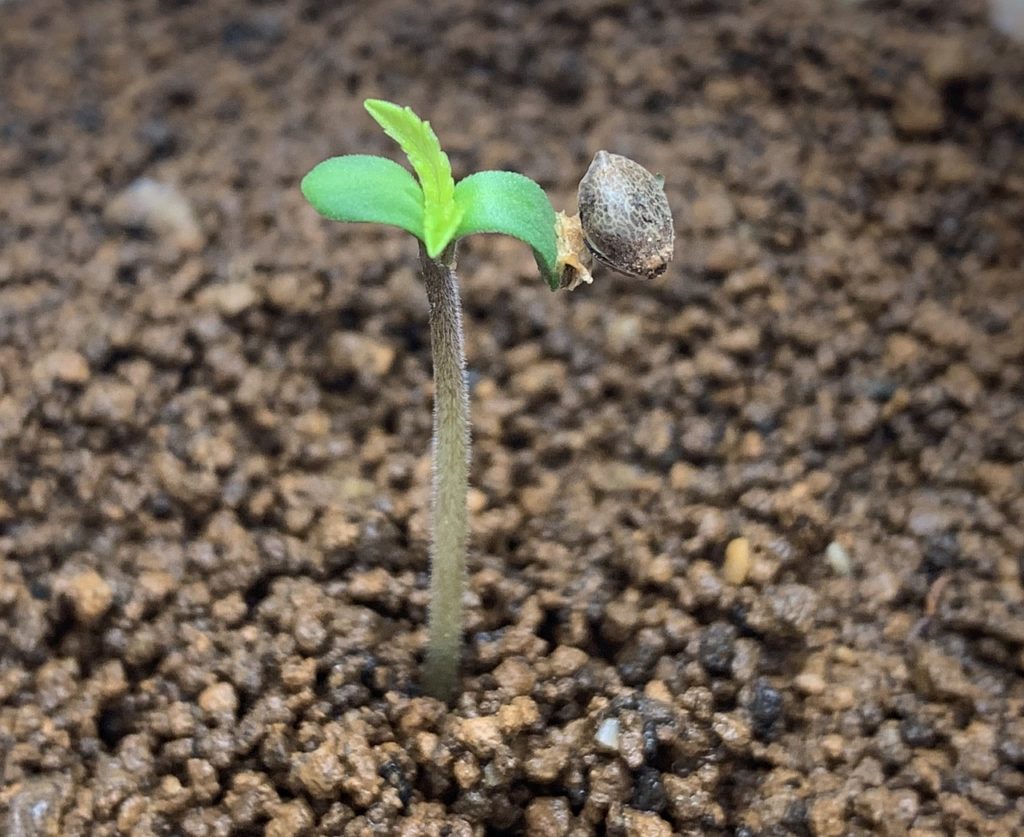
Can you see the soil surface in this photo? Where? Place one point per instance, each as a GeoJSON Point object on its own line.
{"type": "Point", "coordinates": [747, 539]}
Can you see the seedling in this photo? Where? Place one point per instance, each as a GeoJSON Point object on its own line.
{"type": "Point", "coordinates": [624, 222]}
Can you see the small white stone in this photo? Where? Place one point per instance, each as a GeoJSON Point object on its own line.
{"type": "Point", "coordinates": [1007, 17]}
{"type": "Point", "coordinates": [607, 735]}
{"type": "Point", "coordinates": [160, 208]}
{"type": "Point", "coordinates": [838, 559]}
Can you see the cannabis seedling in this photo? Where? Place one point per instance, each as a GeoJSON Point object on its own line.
{"type": "Point", "coordinates": [624, 222]}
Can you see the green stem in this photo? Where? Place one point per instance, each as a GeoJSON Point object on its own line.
{"type": "Point", "coordinates": [451, 475]}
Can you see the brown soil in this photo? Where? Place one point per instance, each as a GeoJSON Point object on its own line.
{"type": "Point", "coordinates": [747, 540]}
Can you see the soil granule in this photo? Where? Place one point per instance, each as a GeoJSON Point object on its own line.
{"type": "Point", "coordinates": [747, 543]}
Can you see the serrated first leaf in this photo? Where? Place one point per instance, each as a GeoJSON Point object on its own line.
{"type": "Point", "coordinates": [441, 214]}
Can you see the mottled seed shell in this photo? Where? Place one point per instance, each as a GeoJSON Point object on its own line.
{"type": "Point", "coordinates": [626, 219]}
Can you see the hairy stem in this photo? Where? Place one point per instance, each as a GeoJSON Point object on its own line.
{"type": "Point", "coordinates": [451, 475]}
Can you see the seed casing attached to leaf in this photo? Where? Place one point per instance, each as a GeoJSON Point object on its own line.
{"type": "Point", "coordinates": [627, 222]}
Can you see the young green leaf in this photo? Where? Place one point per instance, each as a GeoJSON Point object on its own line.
{"type": "Point", "coordinates": [359, 187]}
{"type": "Point", "coordinates": [441, 215]}
{"type": "Point", "coordinates": [510, 203]}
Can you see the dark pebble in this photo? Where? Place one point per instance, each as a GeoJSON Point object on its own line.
{"type": "Point", "coordinates": [648, 790]}
{"type": "Point", "coordinates": [940, 554]}
{"type": "Point", "coordinates": [766, 709]}
{"type": "Point", "coordinates": [716, 648]}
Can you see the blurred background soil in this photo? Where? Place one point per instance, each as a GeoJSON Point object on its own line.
{"type": "Point", "coordinates": [747, 540]}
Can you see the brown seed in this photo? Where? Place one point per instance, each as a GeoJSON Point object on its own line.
{"type": "Point", "coordinates": [626, 219]}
